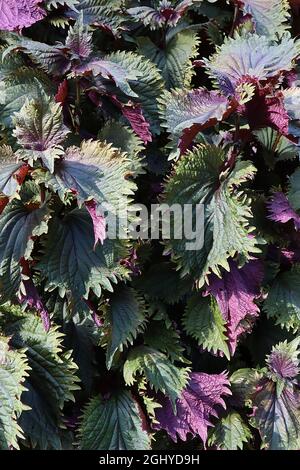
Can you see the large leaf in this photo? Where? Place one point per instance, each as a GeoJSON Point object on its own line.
{"type": "Point", "coordinates": [185, 113]}
{"type": "Point", "coordinates": [104, 13]}
{"type": "Point", "coordinates": [269, 16]}
{"type": "Point", "coordinates": [114, 423]}
{"type": "Point", "coordinates": [51, 381]}
{"type": "Point", "coordinates": [277, 416]}
{"type": "Point", "coordinates": [236, 293]}
{"type": "Point", "coordinates": [250, 56]}
{"type": "Point", "coordinates": [227, 213]}
{"type": "Point", "coordinates": [148, 87]}
{"type": "Point", "coordinates": [19, 224]}
{"type": "Point", "coordinates": [126, 317]}
{"type": "Point", "coordinates": [40, 130]}
{"type": "Point", "coordinates": [195, 408]}
{"type": "Point", "coordinates": [204, 322]}
{"type": "Point", "coordinates": [175, 61]}
{"type": "Point", "coordinates": [230, 433]}
{"type": "Point", "coordinates": [39, 124]}
{"type": "Point", "coordinates": [96, 171]}
{"type": "Point", "coordinates": [13, 372]}
{"type": "Point", "coordinates": [70, 262]}
{"type": "Point", "coordinates": [16, 87]}
{"type": "Point", "coordinates": [161, 374]}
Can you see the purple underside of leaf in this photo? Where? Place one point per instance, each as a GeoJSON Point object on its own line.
{"type": "Point", "coordinates": [95, 316]}
{"type": "Point", "coordinates": [187, 113]}
{"type": "Point", "coordinates": [281, 211]}
{"type": "Point", "coordinates": [290, 255]}
{"type": "Point", "coordinates": [235, 294]}
{"type": "Point", "coordinates": [18, 14]}
{"type": "Point", "coordinates": [198, 403]}
{"type": "Point", "coordinates": [134, 114]}
{"type": "Point", "coordinates": [263, 111]}
{"type": "Point", "coordinates": [32, 299]}
{"type": "Point", "coordinates": [99, 222]}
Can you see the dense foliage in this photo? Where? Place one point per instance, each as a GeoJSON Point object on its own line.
{"type": "Point", "coordinates": [137, 344]}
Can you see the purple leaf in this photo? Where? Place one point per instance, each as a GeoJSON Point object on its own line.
{"type": "Point", "coordinates": [187, 113]}
{"type": "Point", "coordinates": [79, 40]}
{"type": "Point", "coordinates": [98, 219]}
{"type": "Point", "coordinates": [265, 110]}
{"type": "Point", "coordinates": [276, 415]}
{"type": "Point", "coordinates": [133, 112]}
{"type": "Point", "coordinates": [235, 294]}
{"type": "Point", "coordinates": [281, 211]}
{"type": "Point", "coordinates": [18, 14]}
{"type": "Point", "coordinates": [253, 56]}
{"type": "Point", "coordinates": [283, 365]}
{"type": "Point", "coordinates": [198, 403]}
{"type": "Point", "coordinates": [32, 299]}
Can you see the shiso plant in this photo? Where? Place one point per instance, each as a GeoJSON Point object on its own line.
{"type": "Point", "coordinates": [130, 343]}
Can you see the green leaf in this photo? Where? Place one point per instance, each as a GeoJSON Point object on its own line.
{"type": "Point", "coordinates": [275, 147]}
{"type": "Point", "coordinates": [13, 372]}
{"type": "Point", "coordinates": [113, 424]}
{"type": "Point", "coordinates": [164, 337]}
{"type": "Point", "coordinates": [162, 282]}
{"type": "Point", "coordinates": [294, 190]}
{"type": "Point", "coordinates": [126, 317]}
{"type": "Point", "coordinates": [174, 61]}
{"type": "Point", "coordinates": [148, 87]}
{"type": "Point", "coordinates": [230, 433]}
{"type": "Point", "coordinates": [283, 301]}
{"type": "Point", "coordinates": [18, 86]}
{"type": "Point", "coordinates": [96, 171]}
{"type": "Point", "coordinates": [39, 129]}
{"type": "Point", "coordinates": [107, 13]}
{"type": "Point", "coordinates": [243, 383]}
{"type": "Point", "coordinates": [51, 381]}
{"type": "Point", "coordinates": [198, 179]}
{"type": "Point", "coordinates": [204, 322]}
{"type": "Point", "coordinates": [161, 374]}
{"type": "Point", "coordinates": [19, 224]}
{"type": "Point", "coordinates": [70, 262]}
{"type": "Point", "coordinates": [125, 139]}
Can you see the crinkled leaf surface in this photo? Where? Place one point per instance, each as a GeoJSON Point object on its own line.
{"type": "Point", "coordinates": [283, 301]}
{"type": "Point", "coordinates": [204, 322]}
{"type": "Point", "coordinates": [127, 318]}
{"type": "Point", "coordinates": [52, 379]}
{"type": "Point", "coordinates": [195, 408]}
{"type": "Point", "coordinates": [269, 16]}
{"type": "Point", "coordinates": [227, 214]}
{"type": "Point", "coordinates": [70, 262]}
{"type": "Point", "coordinates": [18, 227]}
{"type": "Point", "coordinates": [253, 56]}
{"type": "Point", "coordinates": [114, 423]}
{"type": "Point", "coordinates": [161, 374]}
{"type": "Point", "coordinates": [13, 372]}
{"type": "Point", "coordinates": [230, 433]}
{"type": "Point", "coordinates": [18, 14]}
